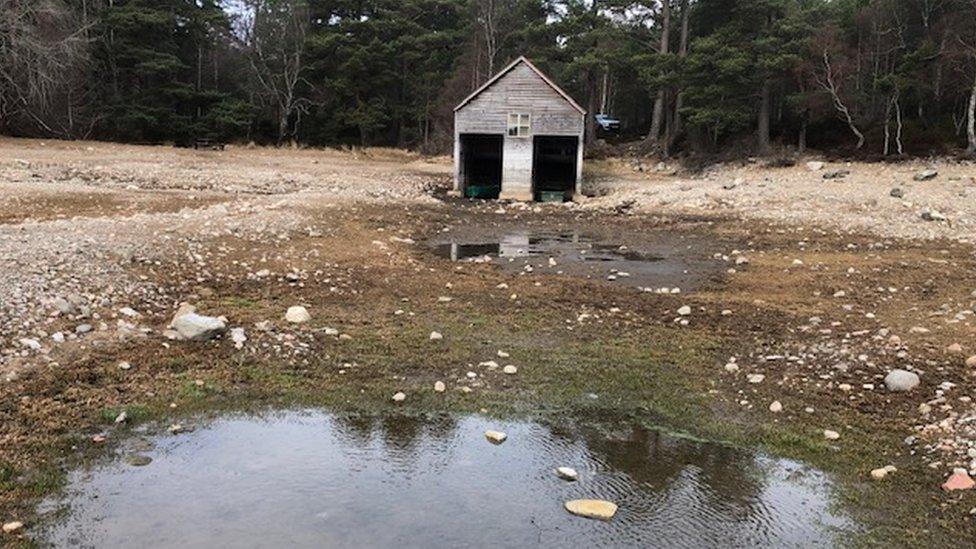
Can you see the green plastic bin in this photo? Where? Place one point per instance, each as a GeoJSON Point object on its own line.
{"type": "Point", "coordinates": [481, 191]}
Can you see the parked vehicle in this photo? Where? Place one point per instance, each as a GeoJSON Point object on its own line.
{"type": "Point", "coordinates": [607, 123]}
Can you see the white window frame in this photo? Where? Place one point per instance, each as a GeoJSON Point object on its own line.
{"type": "Point", "coordinates": [519, 124]}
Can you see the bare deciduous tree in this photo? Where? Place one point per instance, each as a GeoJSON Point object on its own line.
{"type": "Point", "coordinates": [273, 35]}
{"type": "Point", "coordinates": [44, 64]}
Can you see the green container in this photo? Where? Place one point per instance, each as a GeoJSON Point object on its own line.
{"type": "Point", "coordinates": [481, 191]}
{"type": "Point", "coordinates": [552, 196]}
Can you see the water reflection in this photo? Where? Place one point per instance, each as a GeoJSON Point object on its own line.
{"type": "Point", "coordinates": [666, 260]}
{"type": "Point", "coordinates": [315, 480]}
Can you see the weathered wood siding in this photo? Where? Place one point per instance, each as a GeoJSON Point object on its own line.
{"type": "Point", "coordinates": [521, 91]}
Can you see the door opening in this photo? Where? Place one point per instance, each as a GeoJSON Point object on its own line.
{"type": "Point", "coordinates": [554, 168]}
{"type": "Point", "coordinates": [481, 165]}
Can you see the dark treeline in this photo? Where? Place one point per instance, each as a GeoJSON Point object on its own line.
{"type": "Point", "coordinates": [874, 77]}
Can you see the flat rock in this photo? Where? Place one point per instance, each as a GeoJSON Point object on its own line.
{"type": "Point", "coordinates": [13, 526]}
{"type": "Point", "coordinates": [592, 508]}
{"type": "Point", "coordinates": [959, 480]}
{"type": "Point", "coordinates": [926, 175]}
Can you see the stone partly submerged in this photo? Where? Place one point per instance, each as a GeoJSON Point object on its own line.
{"type": "Point", "coordinates": [495, 437]}
{"type": "Point", "coordinates": [592, 508]}
{"type": "Point", "coordinates": [567, 473]}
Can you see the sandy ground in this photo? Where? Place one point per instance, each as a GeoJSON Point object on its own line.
{"type": "Point", "coordinates": [859, 202]}
{"type": "Point", "coordinates": [811, 304]}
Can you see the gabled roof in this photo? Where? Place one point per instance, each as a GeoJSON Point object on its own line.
{"type": "Point", "coordinates": [508, 69]}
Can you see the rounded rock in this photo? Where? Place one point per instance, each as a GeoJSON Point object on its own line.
{"type": "Point", "coordinates": [901, 380]}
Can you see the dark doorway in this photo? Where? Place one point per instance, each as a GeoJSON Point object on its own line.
{"type": "Point", "coordinates": [481, 165]}
{"type": "Point", "coordinates": [554, 168]}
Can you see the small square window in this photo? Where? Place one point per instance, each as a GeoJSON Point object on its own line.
{"type": "Point", "coordinates": [519, 125]}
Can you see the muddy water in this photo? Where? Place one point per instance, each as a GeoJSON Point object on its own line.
{"type": "Point", "coordinates": [665, 260]}
{"type": "Point", "coordinates": [313, 480]}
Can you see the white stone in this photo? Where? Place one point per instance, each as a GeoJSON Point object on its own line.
{"type": "Point", "coordinates": [399, 397]}
{"type": "Point", "coordinates": [510, 369]}
{"type": "Point", "coordinates": [776, 407]}
{"type": "Point", "coordinates": [297, 315]}
{"type": "Point", "coordinates": [831, 435]}
{"type": "Point", "coordinates": [238, 337]}
{"type": "Point", "coordinates": [684, 311]}
{"type": "Point", "coordinates": [198, 327]}
{"type": "Point", "coordinates": [567, 473]}
{"type": "Point", "coordinates": [495, 437]}
{"type": "Point", "coordinates": [439, 386]}
{"type": "Point", "coordinates": [436, 336]}
{"type": "Point", "coordinates": [901, 380]}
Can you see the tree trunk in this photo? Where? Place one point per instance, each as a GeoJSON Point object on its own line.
{"type": "Point", "coordinates": [678, 96]}
{"type": "Point", "coordinates": [282, 126]}
{"type": "Point", "coordinates": [762, 133]}
{"type": "Point", "coordinates": [593, 103]}
{"type": "Point", "coordinates": [802, 140]}
{"type": "Point", "coordinates": [971, 123]}
{"type": "Point", "coordinates": [651, 141]}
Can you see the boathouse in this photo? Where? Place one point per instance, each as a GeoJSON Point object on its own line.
{"type": "Point", "coordinates": [519, 136]}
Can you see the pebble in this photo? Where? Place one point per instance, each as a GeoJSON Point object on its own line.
{"type": "Point", "coordinates": [592, 508]}
{"type": "Point", "coordinates": [567, 473]}
{"type": "Point", "coordinates": [831, 435]}
{"type": "Point", "coordinates": [495, 437]}
{"type": "Point", "coordinates": [776, 407]}
{"type": "Point", "coordinates": [139, 460]}
{"type": "Point", "coordinates": [125, 365]}
{"type": "Point", "coordinates": [436, 336]}
{"type": "Point", "coordinates": [879, 473]}
{"type": "Point", "coordinates": [13, 526]}
{"type": "Point", "coordinates": [684, 311]}
{"type": "Point", "coordinates": [510, 369]}
{"type": "Point", "coordinates": [755, 378]}
{"type": "Point", "coordinates": [399, 397]}
{"type": "Point", "coordinates": [297, 315]}
{"type": "Point", "coordinates": [439, 386]}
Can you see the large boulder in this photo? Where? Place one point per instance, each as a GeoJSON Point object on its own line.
{"type": "Point", "coordinates": [191, 325]}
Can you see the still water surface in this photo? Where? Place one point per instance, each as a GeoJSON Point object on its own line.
{"type": "Point", "coordinates": [311, 479]}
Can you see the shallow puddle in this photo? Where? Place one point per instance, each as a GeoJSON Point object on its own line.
{"type": "Point", "coordinates": [664, 262]}
{"type": "Point", "coordinates": [309, 479]}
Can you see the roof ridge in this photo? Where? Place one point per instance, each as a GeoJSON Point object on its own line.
{"type": "Point", "coordinates": [521, 59]}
